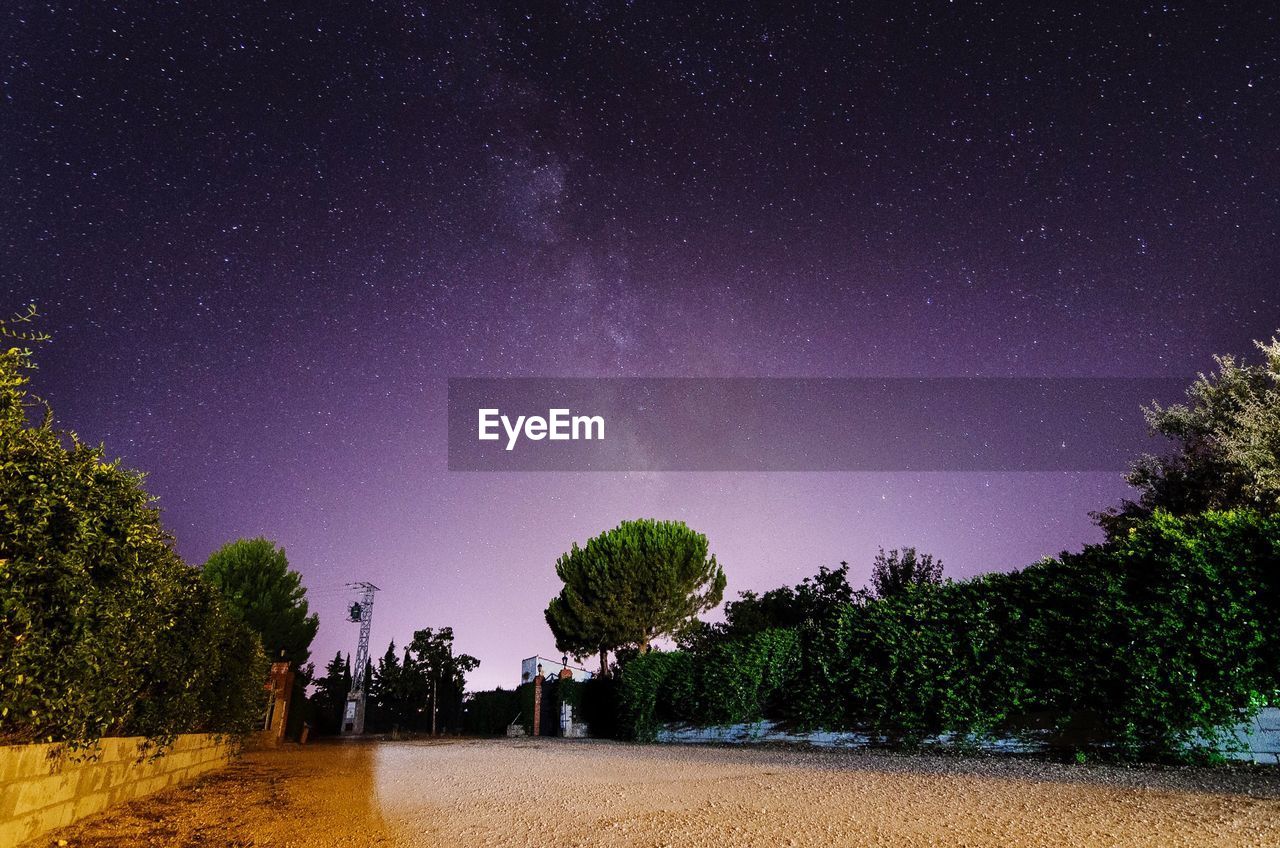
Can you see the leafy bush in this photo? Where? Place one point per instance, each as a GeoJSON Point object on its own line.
{"type": "Point", "coordinates": [105, 631]}
{"type": "Point", "coordinates": [599, 705]}
{"type": "Point", "coordinates": [745, 680]}
{"type": "Point", "coordinates": [1150, 646]}
{"type": "Point", "coordinates": [639, 684]}
{"type": "Point", "coordinates": [1157, 642]}
{"type": "Point", "coordinates": [488, 713]}
{"type": "Point", "coordinates": [739, 680]}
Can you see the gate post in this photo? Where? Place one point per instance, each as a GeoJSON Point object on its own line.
{"type": "Point", "coordinates": [537, 702]}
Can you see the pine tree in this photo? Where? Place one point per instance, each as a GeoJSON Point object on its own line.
{"type": "Point", "coordinates": [254, 577]}
{"type": "Point", "coordinates": [638, 582]}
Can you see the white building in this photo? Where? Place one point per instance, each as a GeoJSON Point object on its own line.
{"type": "Point", "coordinates": [550, 668]}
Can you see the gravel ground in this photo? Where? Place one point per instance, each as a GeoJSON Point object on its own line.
{"type": "Point", "coordinates": [570, 793]}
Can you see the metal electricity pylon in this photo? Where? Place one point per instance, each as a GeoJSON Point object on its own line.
{"type": "Point", "coordinates": [361, 611]}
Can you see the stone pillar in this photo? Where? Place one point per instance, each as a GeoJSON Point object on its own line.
{"type": "Point", "coordinates": [537, 702]}
{"type": "Point", "coordinates": [281, 687]}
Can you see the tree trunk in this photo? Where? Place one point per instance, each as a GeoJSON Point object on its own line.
{"type": "Point", "coordinates": [604, 662]}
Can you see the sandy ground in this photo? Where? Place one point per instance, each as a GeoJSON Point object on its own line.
{"type": "Point", "coordinates": [569, 793]}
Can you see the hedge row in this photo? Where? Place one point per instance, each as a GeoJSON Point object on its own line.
{"type": "Point", "coordinates": [1147, 647]}
{"type": "Point", "coordinates": [104, 630]}
{"type": "Point", "coordinates": [729, 683]}
{"type": "Point", "coordinates": [489, 712]}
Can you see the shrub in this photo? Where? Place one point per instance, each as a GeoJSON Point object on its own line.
{"type": "Point", "coordinates": [738, 680]}
{"type": "Point", "coordinates": [1157, 642]}
{"type": "Point", "coordinates": [745, 680]}
{"type": "Point", "coordinates": [105, 631]}
{"type": "Point", "coordinates": [1150, 646]}
{"type": "Point", "coordinates": [488, 713]}
{"type": "Point", "coordinates": [600, 706]}
{"type": "Point", "coordinates": [639, 683]}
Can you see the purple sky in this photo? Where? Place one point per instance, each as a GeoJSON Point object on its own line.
{"type": "Point", "coordinates": [264, 241]}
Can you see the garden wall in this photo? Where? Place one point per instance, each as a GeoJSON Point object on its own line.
{"type": "Point", "coordinates": [39, 794]}
{"type": "Point", "coordinates": [1259, 738]}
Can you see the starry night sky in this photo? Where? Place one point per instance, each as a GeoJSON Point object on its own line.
{"type": "Point", "coordinates": [264, 239]}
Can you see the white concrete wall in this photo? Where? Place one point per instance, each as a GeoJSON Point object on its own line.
{"type": "Point", "coordinates": [1260, 737]}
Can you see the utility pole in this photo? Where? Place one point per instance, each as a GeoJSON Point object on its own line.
{"type": "Point", "coordinates": [362, 612]}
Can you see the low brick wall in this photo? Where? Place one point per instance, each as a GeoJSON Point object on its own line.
{"type": "Point", "coordinates": [39, 794]}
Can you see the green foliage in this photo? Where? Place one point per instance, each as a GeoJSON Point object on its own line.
{"type": "Point", "coordinates": [434, 656]}
{"type": "Point", "coordinates": [390, 692]}
{"type": "Point", "coordinates": [1146, 647]}
{"type": "Point", "coordinates": [896, 572]}
{"type": "Point", "coordinates": [254, 577]}
{"type": "Point", "coordinates": [429, 680]}
{"type": "Point", "coordinates": [743, 681]}
{"type": "Point", "coordinates": [642, 680]}
{"type": "Point", "coordinates": [1226, 446]}
{"type": "Point", "coordinates": [488, 713]}
{"type": "Point", "coordinates": [921, 662]}
{"type": "Point", "coordinates": [815, 599]}
{"type": "Point", "coordinates": [630, 585]}
{"type": "Point", "coordinates": [330, 696]}
{"type": "Point", "coordinates": [1163, 638]}
{"type": "Point", "coordinates": [104, 630]}
{"type": "Point", "coordinates": [1150, 646]}
{"type": "Point", "coordinates": [732, 681]}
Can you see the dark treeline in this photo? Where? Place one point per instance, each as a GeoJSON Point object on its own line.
{"type": "Point", "coordinates": [406, 689]}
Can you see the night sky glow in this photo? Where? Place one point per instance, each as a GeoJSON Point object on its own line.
{"type": "Point", "coordinates": [264, 239]}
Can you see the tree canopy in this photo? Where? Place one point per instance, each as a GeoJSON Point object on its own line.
{"type": "Point", "coordinates": [104, 630]}
{"type": "Point", "coordinates": [330, 696]}
{"type": "Point", "coordinates": [1225, 446]}
{"type": "Point", "coordinates": [433, 652]}
{"type": "Point", "coordinates": [427, 680]}
{"type": "Point", "coordinates": [254, 577]}
{"type": "Point", "coordinates": [815, 599]}
{"type": "Point", "coordinates": [640, 581]}
{"type": "Point", "coordinates": [895, 572]}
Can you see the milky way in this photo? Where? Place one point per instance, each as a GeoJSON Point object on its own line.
{"type": "Point", "coordinates": [263, 240]}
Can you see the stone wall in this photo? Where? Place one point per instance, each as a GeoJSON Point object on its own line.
{"type": "Point", "coordinates": [39, 794]}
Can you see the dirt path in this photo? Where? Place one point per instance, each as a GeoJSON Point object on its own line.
{"type": "Point", "coordinates": [314, 796]}
{"type": "Point", "coordinates": [549, 792]}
